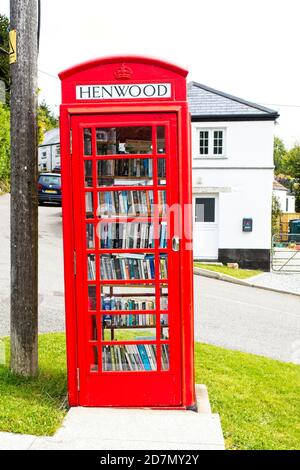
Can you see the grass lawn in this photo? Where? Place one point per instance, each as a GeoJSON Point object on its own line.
{"type": "Point", "coordinates": [257, 398]}
{"type": "Point", "coordinates": [238, 273]}
{"type": "Point", "coordinates": [36, 406]}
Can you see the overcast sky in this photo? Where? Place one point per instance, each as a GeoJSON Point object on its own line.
{"type": "Point", "coordinates": [249, 48]}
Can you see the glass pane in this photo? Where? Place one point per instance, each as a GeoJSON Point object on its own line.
{"type": "Point", "coordinates": [90, 236]}
{"type": "Point", "coordinates": [163, 235]}
{"type": "Point", "coordinates": [125, 203]}
{"type": "Point", "coordinates": [162, 203]}
{"type": "Point", "coordinates": [94, 332]}
{"type": "Point", "coordinates": [125, 172]}
{"type": "Point", "coordinates": [129, 327]}
{"type": "Point", "coordinates": [163, 266]}
{"type": "Point", "coordinates": [161, 139]}
{"type": "Point", "coordinates": [91, 265]}
{"type": "Point", "coordinates": [127, 266]}
{"type": "Point", "coordinates": [165, 359]}
{"type": "Point", "coordinates": [205, 209]}
{"type": "Point", "coordinates": [88, 173]}
{"type": "Point", "coordinates": [94, 359]}
{"type": "Point", "coordinates": [133, 357]}
{"type": "Point", "coordinates": [127, 235]}
{"type": "Point", "coordinates": [163, 297]}
{"type": "Point", "coordinates": [89, 205]}
{"type": "Point", "coordinates": [87, 141]}
{"type": "Point", "coordinates": [124, 140]}
{"type": "Point", "coordinates": [164, 326]}
{"type": "Point", "coordinates": [161, 171]}
{"type": "Point", "coordinates": [92, 298]}
{"type": "Point", "coordinates": [129, 297]}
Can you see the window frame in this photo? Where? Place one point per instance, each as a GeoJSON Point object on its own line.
{"type": "Point", "coordinates": [206, 197]}
{"type": "Point", "coordinates": [211, 131]}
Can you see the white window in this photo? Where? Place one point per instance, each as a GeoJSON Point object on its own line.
{"type": "Point", "coordinates": [211, 142]}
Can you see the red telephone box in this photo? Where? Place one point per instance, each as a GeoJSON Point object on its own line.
{"type": "Point", "coordinates": [126, 176]}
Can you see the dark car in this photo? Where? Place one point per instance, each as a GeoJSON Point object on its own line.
{"type": "Point", "coordinates": [49, 188]}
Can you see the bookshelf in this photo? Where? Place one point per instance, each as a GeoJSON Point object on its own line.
{"type": "Point", "coordinates": [126, 238]}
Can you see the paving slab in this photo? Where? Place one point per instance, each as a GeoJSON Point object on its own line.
{"type": "Point", "coordinates": [129, 429]}
{"type": "Point", "coordinates": [111, 428]}
{"type": "Point", "coordinates": [10, 441]}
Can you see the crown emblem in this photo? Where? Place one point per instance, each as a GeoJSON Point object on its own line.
{"type": "Point", "coordinates": [123, 72]}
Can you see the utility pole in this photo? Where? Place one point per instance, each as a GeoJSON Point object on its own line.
{"type": "Point", "coordinates": [24, 205]}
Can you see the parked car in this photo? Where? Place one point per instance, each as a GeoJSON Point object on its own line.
{"type": "Point", "coordinates": [56, 169]}
{"type": "Point", "coordinates": [49, 188]}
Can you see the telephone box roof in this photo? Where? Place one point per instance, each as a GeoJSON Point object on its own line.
{"type": "Point", "coordinates": [117, 59]}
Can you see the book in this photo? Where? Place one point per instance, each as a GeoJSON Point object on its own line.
{"type": "Point", "coordinates": [124, 303]}
{"type": "Point", "coordinates": [127, 266]}
{"type": "Point", "coordinates": [91, 267]}
{"type": "Point", "coordinates": [140, 357]}
{"type": "Point", "coordinates": [123, 203]}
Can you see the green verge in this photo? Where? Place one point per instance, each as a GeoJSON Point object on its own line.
{"type": "Point", "coordinates": [238, 273]}
{"type": "Point", "coordinates": [257, 398]}
{"type": "Point", "coordinates": [37, 405]}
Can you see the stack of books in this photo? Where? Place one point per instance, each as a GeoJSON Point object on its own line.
{"type": "Point", "coordinates": [125, 203]}
{"type": "Point", "coordinates": [131, 320]}
{"type": "Point", "coordinates": [162, 203]}
{"type": "Point", "coordinates": [128, 235]}
{"type": "Point", "coordinates": [91, 267]}
{"type": "Point", "coordinates": [165, 363]}
{"type": "Point", "coordinates": [127, 266]}
{"type": "Point", "coordinates": [163, 235]}
{"type": "Point", "coordinates": [124, 303]}
{"type": "Point", "coordinates": [164, 302]}
{"type": "Point", "coordinates": [161, 167]}
{"type": "Point", "coordinates": [89, 207]}
{"type": "Point", "coordinates": [136, 357]}
{"type": "Point", "coordinates": [90, 242]}
{"type": "Point", "coordinates": [126, 167]}
{"type": "Point", "coordinates": [163, 266]}
{"type": "Point", "coordinates": [117, 321]}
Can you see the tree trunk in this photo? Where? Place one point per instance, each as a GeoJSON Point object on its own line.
{"type": "Point", "coordinates": [24, 206]}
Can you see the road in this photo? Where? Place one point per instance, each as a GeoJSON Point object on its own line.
{"type": "Point", "coordinates": [51, 286]}
{"type": "Point", "coordinates": [228, 315]}
{"type": "Point", "coordinates": [247, 319]}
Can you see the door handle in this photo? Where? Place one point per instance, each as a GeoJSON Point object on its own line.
{"type": "Point", "coordinates": [175, 243]}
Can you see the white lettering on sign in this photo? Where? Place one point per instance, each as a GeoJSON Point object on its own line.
{"type": "Point", "coordinates": [123, 91]}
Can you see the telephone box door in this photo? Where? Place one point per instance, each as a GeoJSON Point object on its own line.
{"type": "Point", "coordinates": [125, 202]}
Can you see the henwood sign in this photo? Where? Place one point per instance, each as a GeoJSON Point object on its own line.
{"type": "Point", "coordinates": [123, 91]}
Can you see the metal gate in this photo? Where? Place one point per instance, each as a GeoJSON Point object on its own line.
{"type": "Point", "coordinates": [285, 253]}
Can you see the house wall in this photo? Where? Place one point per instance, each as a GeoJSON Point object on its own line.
{"type": "Point", "coordinates": [47, 162]}
{"type": "Point", "coordinates": [243, 180]}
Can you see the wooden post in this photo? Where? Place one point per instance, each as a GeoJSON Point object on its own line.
{"type": "Point", "coordinates": [24, 205]}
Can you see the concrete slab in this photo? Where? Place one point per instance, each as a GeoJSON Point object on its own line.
{"type": "Point", "coordinates": [111, 428]}
{"type": "Point", "coordinates": [129, 429]}
{"type": "Point", "coordinates": [10, 441]}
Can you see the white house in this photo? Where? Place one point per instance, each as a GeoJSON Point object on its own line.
{"type": "Point", "coordinates": [285, 199]}
{"type": "Point", "coordinates": [49, 151]}
{"type": "Point", "coordinates": [232, 148]}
